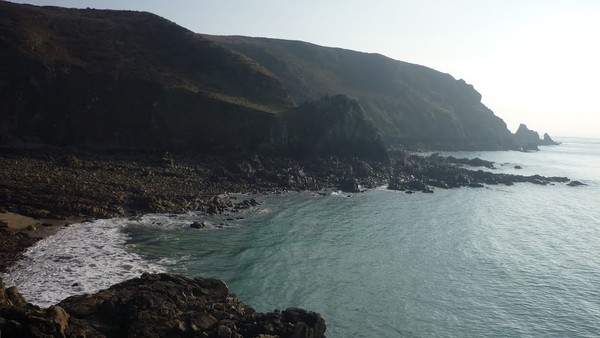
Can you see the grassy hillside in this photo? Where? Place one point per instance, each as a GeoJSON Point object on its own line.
{"type": "Point", "coordinates": [410, 104]}
{"type": "Point", "coordinates": [130, 79]}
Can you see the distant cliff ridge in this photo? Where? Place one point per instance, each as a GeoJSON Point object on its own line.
{"type": "Point", "coordinates": [124, 79]}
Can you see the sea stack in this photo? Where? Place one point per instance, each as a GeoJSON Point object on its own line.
{"type": "Point", "coordinates": [528, 139]}
{"type": "Point", "coordinates": [548, 141]}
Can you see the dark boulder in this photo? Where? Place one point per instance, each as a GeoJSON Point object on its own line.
{"type": "Point", "coordinates": [12, 245]}
{"type": "Point", "coordinates": [409, 184]}
{"type": "Point", "coordinates": [475, 162]}
{"type": "Point", "coordinates": [350, 185]}
{"type": "Point", "coordinates": [198, 225]}
{"type": "Point", "coordinates": [575, 184]}
{"type": "Point", "coordinates": [218, 205]}
{"type": "Point", "coordinates": [160, 305]}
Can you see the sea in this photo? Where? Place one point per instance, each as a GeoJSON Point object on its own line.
{"type": "Point", "coordinates": [498, 261]}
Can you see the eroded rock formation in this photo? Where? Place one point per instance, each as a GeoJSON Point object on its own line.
{"type": "Point", "coordinates": [530, 140]}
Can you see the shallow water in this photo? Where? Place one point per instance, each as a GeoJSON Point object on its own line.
{"type": "Point", "coordinates": [496, 262]}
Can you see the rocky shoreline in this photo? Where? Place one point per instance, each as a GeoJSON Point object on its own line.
{"type": "Point", "coordinates": [56, 185]}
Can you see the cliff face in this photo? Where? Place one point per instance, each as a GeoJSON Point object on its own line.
{"type": "Point", "coordinates": [410, 104]}
{"type": "Point", "coordinates": [115, 79]}
{"type": "Point", "coordinates": [331, 126]}
{"type": "Point", "coordinates": [122, 79]}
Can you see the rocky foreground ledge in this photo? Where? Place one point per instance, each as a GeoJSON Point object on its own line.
{"type": "Point", "coordinates": [154, 305]}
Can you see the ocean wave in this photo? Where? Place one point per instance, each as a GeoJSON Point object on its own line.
{"type": "Point", "coordinates": [82, 258]}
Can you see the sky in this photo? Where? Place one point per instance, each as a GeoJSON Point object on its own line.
{"type": "Point", "coordinates": [534, 61]}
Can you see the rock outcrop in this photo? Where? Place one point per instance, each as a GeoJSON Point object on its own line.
{"type": "Point", "coordinates": [160, 305]}
{"type": "Point", "coordinates": [333, 125]}
{"type": "Point", "coordinates": [422, 173]}
{"type": "Point", "coordinates": [530, 140]}
{"type": "Point", "coordinates": [526, 138]}
{"type": "Point", "coordinates": [12, 245]}
{"type": "Point", "coordinates": [548, 141]}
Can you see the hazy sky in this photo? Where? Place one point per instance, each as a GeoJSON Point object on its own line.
{"type": "Point", "coordinates": [534, 61]}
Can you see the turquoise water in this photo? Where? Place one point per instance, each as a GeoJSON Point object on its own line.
{"type": "Point", "coordinates": [496, 262]}
{"type": "Point", "coordinates": [502, 261]}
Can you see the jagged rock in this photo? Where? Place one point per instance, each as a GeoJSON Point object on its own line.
{"type": "Point", "coordinates": [362, 168]}
{"type": "Point", "coordinates": [350, 185]}
{"type": "Point", "coordinates": [475, 162]}
{"type": "Point", "coordinates": [246, 204]}
{"type": "Point", "coordinates": [548, 141]}
{"type": "Point", "coordinates": [575, 184]}
{"type": "Point", "coordinates": [159, 305]}
{"type": "Point", "coordinates": [530, 140]}
{"type": "Point", "coordinates": [409, 185]}
{"type": "Point", "coordinates": [198, 225]}
{"type": "Point", "coordinates": [526, 138]}
{"type": "Point", "coordinates": [218, 205]}
{"type": "Point", "coordinates": [12, 296]}
{"type": "Point", "coordinates": [12, 244]}
{"type": "Point", "coordinates": [437, 183]}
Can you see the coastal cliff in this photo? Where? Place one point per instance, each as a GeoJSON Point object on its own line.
{"type": "Point", "coordinates": [159, 305]}
{"type": "Point", "coordinates": [122, 79]}
{"type": "Point", "coordinates": [103, 79]}
{"type": "Point", "coordinates": [410, 104]}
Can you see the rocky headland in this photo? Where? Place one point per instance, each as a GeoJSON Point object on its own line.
{"type": "Point", "coordinates": [101, 78]}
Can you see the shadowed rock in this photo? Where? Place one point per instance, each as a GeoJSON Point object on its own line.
{"type": "Point", "coordinates": [158, 305]}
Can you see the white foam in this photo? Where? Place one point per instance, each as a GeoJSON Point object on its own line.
{"type": "Point", "coordinates": [83, 258]}
{"type": "Point", "coordinates": [88, 257]}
